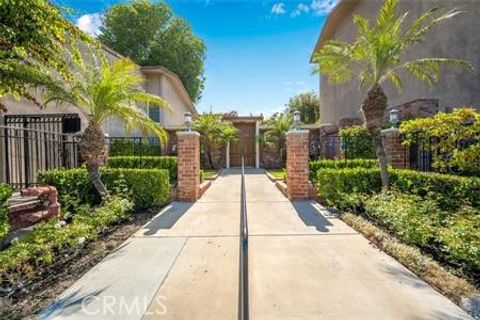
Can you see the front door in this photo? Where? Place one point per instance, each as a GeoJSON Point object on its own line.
{"type": "Point", "coordinates": [243, 146]}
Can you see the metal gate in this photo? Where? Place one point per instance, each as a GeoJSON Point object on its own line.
{"type": "Point", "coordinates": [31, 143]}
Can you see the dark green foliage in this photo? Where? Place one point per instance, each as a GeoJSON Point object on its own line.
{"type": "Point", "coordinates": [5, 193]}
{"type": "Point", "coordinates": [150, 162]}
{"type": "Point", "coordinates": [357, 143]}
{"type": "Point", "coordinates": [129, 147]}
{"type": "Point", "coordinates": [451, 191]}
{"type": "Point", "coordinates": [453, 236]}
{"type": "Point", "coordinates": [438, 213]}
{"type": "Point", "coordinates": [150, 34]}
{"type": "Point", "coordinates": [147, 187]}
{"type": "Point", "coordinates": [41, 246]}
{"type": "Point", "coordinates": [314, 166]}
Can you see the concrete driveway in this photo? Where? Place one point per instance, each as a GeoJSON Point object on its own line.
{"type": "Point", "coordinates": [304, 263]}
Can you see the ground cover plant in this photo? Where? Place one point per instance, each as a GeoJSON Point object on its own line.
{"type": "Point", "coordinates": [5, 193]}
{"type": "Point", "coordinates": [437, 213]}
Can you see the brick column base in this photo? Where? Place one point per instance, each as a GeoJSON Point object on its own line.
{"type": "Point", "coordinates": [188, 174]}
{"type": "Point", "coordinates": [397, 154]}
{"type": "Point", "coordinates": [298, 183]}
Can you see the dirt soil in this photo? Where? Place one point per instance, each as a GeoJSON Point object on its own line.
{"type": "Point", "coordinates": [48, 282]}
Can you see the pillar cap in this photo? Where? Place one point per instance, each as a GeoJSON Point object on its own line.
{"type": "Point", "coordinates": [188, 133]}
{"type": "Point", "coordinates": [301, 131]}
{"type": "Point", "coordinates": [390, 131]}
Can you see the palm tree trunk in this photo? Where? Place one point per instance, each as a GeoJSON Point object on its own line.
{"type": "Point", "coordinates": [92, 151]}
{"type": "Point", "coordinates": [374, 107]}
{"type": "Point", "coordinates": [94, 174]}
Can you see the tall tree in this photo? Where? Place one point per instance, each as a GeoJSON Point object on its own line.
{"type": "Point", "coordinates": [33, 35]}
{"type": "Point", "coordinates": [377, 56]}
{"type": "Point", "coordinates": [102, 90]}
{"type": "Point", "coordinates": [307, 104]}
{"type": "Point", "coordinates": [150, 34]}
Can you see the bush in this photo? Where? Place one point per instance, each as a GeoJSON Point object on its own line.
{"type": "Point", "coordinates": [147, 187]}
{"type": "Point", "coordinates": [150, 162]}
{"type": "Point", "coordinates": [358, 143]}
{"type": "Point", "coordinates": [133, 146]}
{"type": "Point", "coordinates": [452, 138]}
{"type": "Point", "coordinates": [436, 212]}
{"type": "Point", "coordinates": [48, 239]}
{"type": "Point", "coordinates": [451, 191]}
{"type": "Point", "coordinates": [5, 193]}
{"type": "Point", "coordinates": [314, 166]}
{"type": "Point", "coordinates": [453, 236]}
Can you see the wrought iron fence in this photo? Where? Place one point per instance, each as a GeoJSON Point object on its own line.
{"type": "Point", "coordinates": [26, 151]}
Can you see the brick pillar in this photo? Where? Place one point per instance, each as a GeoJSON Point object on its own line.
{"type": "Point", "coordinates": [298, 184]}
{"type": "Point", "coordinates": [397, 154]}
{"type": "Point", "coordinates": [188, 152]}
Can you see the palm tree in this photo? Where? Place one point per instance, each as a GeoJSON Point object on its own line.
{"type": "Point", "coordinates": [375, 57]}
{"type": "Point", "coordinates": [278, 128]}
{"type": "Point", "coordinates": [216, 133]}
{"type": "Point", "coordinates": [103, 90]}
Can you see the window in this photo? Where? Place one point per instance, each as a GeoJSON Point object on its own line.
{"type": "Point", "coordinates": [154, 113]}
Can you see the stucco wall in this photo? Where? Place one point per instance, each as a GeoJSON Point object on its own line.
{"type": "Point", "coordinates": [455, 38]}
{"type": "Point", "coordinates": [156, 83]}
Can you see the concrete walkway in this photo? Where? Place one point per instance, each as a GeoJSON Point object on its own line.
{"type": "Point", "coordinates": [304, 264]}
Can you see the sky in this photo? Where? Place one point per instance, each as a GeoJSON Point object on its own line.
{"type": "Point", "coordinates": [258, 51]}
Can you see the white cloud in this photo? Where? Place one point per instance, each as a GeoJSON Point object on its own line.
{"type": "Point", "coordinates": [301, 8]}
{"type": "Point", "coordinates": [322, 7]}
{"type": "Point", "coordinates": [278, 8]}
{"type": "Point", "coordinates": [90, 23]}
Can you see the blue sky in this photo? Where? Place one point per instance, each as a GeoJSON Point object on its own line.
{"type": "Point", "coordinates": [257, 51]}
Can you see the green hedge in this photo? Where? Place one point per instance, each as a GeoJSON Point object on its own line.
{"type": "Point", "coordinates": [358, 143]}
{"type": "Point", "coordinates": [450, 190]}
{"type": "Point", "coordinates": [148, 162]}
{"type": "Point", "coordinates": [314, 166]}
{"type": "Point", "coordinates": [439, 213]}
{"type": "Point", "coordinates": [132, 147]}
{"type": "Point", "coordinates": [5, 193]}
{"type": "Point", "coordinates": [148, 187]}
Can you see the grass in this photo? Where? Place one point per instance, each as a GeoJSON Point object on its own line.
{"type": "Point", "coordinates": [208, 173]}
{"type": "Point", "coordinates": [277, 173]}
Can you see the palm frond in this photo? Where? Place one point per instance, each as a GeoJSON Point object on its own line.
{"type": "Point", "coordinates": [335, 59]}
{"type": "Point", "coordinates": [429, 69]}
{"type": "Point", "coordinates": [422, 25]}
{"type": "Point", "coordinates": [387, 15]}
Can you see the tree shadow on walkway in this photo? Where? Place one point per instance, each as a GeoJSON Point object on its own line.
{"type": "Point", "coordinates": [311, 216]}
{"type": "Point", "coordinates": [168, 217]}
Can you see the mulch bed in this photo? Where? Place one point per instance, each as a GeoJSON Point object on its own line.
{"type": "Point", "coordinates": [41, 288]}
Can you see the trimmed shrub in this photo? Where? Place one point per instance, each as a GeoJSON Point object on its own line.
{"type": "Point", "coordinates": [150, 162]}
{"type": "Point", "coordinates": [314, 166]}
{"type": "Point", "coordinates": [147, 187]}
{"type": "Point", "coordinates": [358, 143]}
{"type": "Point", "coordinates": [5, 193]}
{"type": "Point", "coordinates": [451, 191]}
{"type": "Point", "coordinates": [132, 147]}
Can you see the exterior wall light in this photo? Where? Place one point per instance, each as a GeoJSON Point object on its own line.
{"type": "Point", "coordinates": [188, 121]}
{"type": "Point", "coordinates": [395, 117]}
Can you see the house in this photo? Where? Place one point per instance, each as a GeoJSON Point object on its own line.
{"type": "Point", "coordinates": [33, 139]}
{"type": "Point", "coordinates": [158, 81]}
{"type": "Point", "coordinates": [456, 38]}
